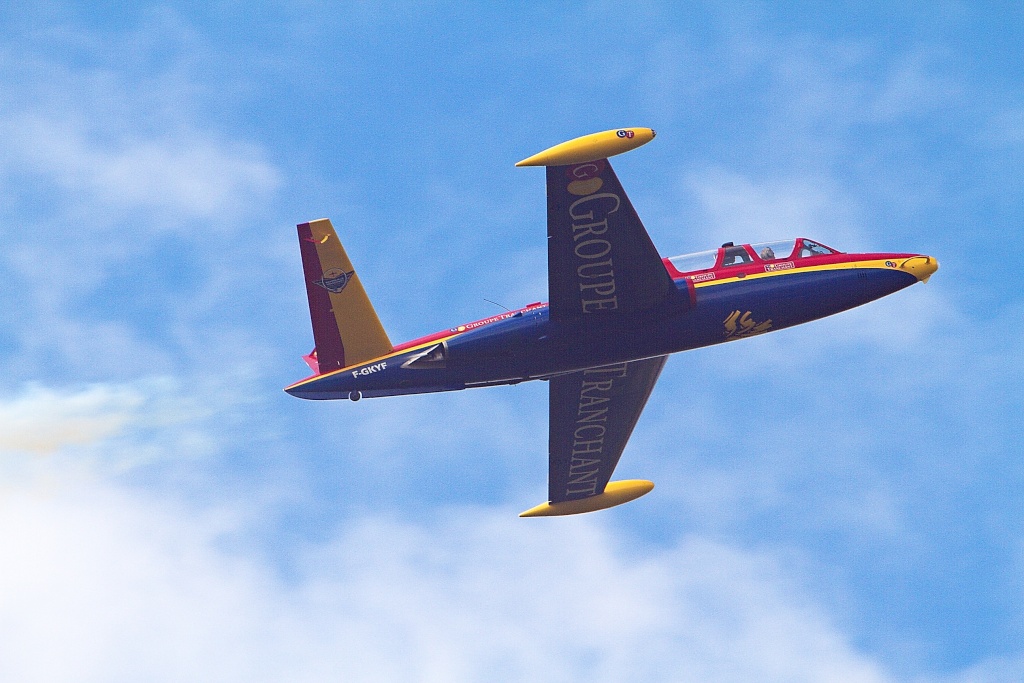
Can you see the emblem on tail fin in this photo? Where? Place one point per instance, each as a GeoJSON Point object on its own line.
{"type": "Point", "coordinates": [335, 280]}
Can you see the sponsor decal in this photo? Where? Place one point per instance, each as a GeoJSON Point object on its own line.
{"type": "Point", "coordinates": [784, 265]}
{"type": "Point", "coordinates": [335, 280]}
{"type": "Point", "coordinates": [585, 187]}
{"type": "Point", "coordinates": [741, 325]}
{"type": "Point", "coordinates": [485, 321]}
{"type": "Point", "coordinates": [588, 436]}
{"type": "Point", "coordinates": [890, 264]}
{"type": "Point", "coordinates": [588, 217]}
{"type": "Point", "coordinates": [701, 277]}
{"type": "Point", "coordinates": [370, 369]}
{"type": "Point", "coordinates": [585, 177]}
{"type": "Point", "coordinates": [625, 133]}
{"type": "Point", "coordinates": [591, 169]}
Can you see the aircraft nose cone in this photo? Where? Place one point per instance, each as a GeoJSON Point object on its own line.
{"type": "Point", "coordinates": [921, 267]}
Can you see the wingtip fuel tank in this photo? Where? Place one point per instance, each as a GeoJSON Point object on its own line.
{"type": "Point", "coordinates": [591, 147]}
{"type": "Point", "coordinates": [615, 493]}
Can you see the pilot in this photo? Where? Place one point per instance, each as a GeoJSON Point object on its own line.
{"type": "Point", "coordinates": [767, 254]}
{"type": "Point", "coordinates": [810, 248]}
{"type": "Point", "coordinates": [730, 257]}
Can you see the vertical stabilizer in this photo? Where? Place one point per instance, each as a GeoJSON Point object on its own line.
{"type": "Point", "coordinates": [346, 329]}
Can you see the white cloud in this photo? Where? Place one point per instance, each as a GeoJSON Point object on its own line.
{"type": "Point", "coordinates": [107, 426]}
{"type": "Point", "coordinates": [996, 670]}
{"type": "Point", "coordinates": [741, 209]}
{"type": "Point", "coordinates": [919, 321]}
{"type": "Point", "coordinates": [122, 206]}
{"type": "Point", "coordinates": [810, 420]}
{"type": "Point", "coordinates": [100, 584]}
{"type": "Point", "coordinates": [105, 584]}
{"type": "Point", "coordinates": [188, 173]}
{"type": "Point", "coordinates": [913, 86]}
{"type": "Point", "coordinates": [106, 128]}
{"type": "Point", "coordinates": [1004, 128]}
{"type": "Point", "coordinates": [41, 420]}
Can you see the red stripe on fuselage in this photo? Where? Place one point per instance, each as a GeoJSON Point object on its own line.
{"type": "Point", "coordinates": [723, 272]}
{"type": "Point", "coordinates": [467, 327]}
{"type": "Point", "coordinates": [723, 275]}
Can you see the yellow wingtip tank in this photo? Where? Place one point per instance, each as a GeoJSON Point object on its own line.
{"type": "Point", "coordinates": [590, 147]}
{"type": "Point", "coordinates": [615, 493]}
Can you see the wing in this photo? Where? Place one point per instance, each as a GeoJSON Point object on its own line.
{"type": "Point", "coordinates": [592, 414]}
{"type": "Point", "coordinates": [601, 261]}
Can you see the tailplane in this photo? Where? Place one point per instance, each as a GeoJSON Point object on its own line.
{"type": "Point", "coordinates": [346, 329]}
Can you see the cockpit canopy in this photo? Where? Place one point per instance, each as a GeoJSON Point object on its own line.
{"type": "Point", "coordinates": [730, 254]}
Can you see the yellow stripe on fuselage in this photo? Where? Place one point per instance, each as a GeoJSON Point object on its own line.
{"type": "Point", "coordinates": [348, 368]}
{"type": "Point", "coordinates": [846, 265]}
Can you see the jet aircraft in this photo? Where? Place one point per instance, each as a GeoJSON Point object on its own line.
{"type": "Point", "coordinates": [616, 310]}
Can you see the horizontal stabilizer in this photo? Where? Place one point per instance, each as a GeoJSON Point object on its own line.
{"type": "Point", "coordinates": [615, 493]}
{"type": "Point", "coordinates": [312, 361]}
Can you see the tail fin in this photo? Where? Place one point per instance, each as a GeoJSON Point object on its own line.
{"type": "Point", "coordinates": [346, 329]}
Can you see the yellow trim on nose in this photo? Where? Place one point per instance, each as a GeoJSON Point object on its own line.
{"type": "Point", "coordinates": [921, 267]}
{"type": "Point", "coordinates": [880, 264]}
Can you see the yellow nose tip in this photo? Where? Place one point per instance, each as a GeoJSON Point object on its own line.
{"type": "Point", "coordinates": [921, 267]}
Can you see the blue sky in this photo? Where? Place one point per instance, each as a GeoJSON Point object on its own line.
{"type": "Point", "coordinates": [837, 502]}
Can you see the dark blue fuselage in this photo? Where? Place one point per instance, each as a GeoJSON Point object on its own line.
{"type": "Point", "coordinates": [529, 345]}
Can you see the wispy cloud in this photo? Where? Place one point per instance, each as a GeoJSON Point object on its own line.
{"type": "Point", "coordinates": [995, 670]}
{"type": "Point", "coordinates": [101, 583]}
{"type": "Point", "coordinates": [116, 194]}
{"type": "Point", "coordinates": [108, 427]}
{"type": "Point", "coordinates": [1005, 128]}
{"type": "Point", "coordinates": [138, 588]}
{"type": "Point", "coordinates": [117, 129]}
{"type": "Point", "coordinates": [743, 209]}
{"type": "Point", "coordinates": [862, 436]}
{"type": "Point", "coordinates": [133, 584]}
{"type": "Point", "coordinates": [193, 175]}
{"type": "Point", "coordinates": [41, 420]}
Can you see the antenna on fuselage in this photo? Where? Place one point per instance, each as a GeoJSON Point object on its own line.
{"type": "Point", "coordinates": [498, 305]}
